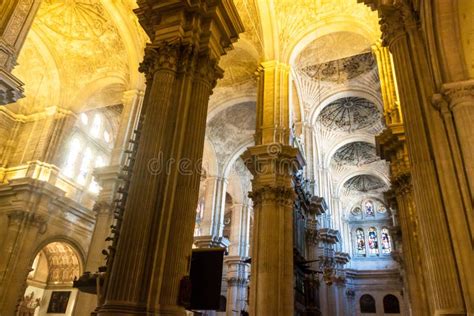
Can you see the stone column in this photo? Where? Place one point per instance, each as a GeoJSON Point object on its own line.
{"type": "Point", "coordinates": [152, 256]}
{"type": "Point", "coordinates": [436, 191]}
{"type": "Point", "coordinates": [15, 22]}
{"type": "Point", "coordinates": [212, 224]}
{"type": "Point", "coordinates": [460, 98]}
{"type": "Point", "coordinates": [271, 281]}
{"type": "Point", "coordinates": [273, 163]}
{"type": "Point", "coordinates": [237, 269]}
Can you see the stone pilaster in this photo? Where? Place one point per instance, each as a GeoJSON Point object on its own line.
{"type": "Point", "coordinates": [271, 282]}
{"type": "Point", "coordinates": [15, 22]}
{"type": "Point", "coordinates": [460, 99]}
{"type": "Point", "coordinates": [157, 231]}
{"type": "Point", "coordinates": [23, 229]}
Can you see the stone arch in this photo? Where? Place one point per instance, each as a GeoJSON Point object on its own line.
{"type": "Point", "coordinates": [66, 240]}
{"type": "Point", "coordinates": [371, 172]}
{"type": "Point", "coordinates": [357, 137]}
{"type": "Point", "coordinates": [57, 262]}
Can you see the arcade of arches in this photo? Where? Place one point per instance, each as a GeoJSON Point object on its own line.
{"type": "Point", "coordinates": [327, 145]}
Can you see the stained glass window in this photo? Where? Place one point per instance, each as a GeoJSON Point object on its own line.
{"type": "Point", "coordinates": [369, 208]}
{"type": "Point", "coordinates": [373, 241]}
{"type": "Point", "coordinates": [386, 244]}
{"type": "Point", "coordinates": [360, 236]}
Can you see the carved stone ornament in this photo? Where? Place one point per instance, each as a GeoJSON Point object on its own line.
{"type": "Point", "coordinates": [173, 56]}
{"type": "Point", "coordinates": [282, 195]}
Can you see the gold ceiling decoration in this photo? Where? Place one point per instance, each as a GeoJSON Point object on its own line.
{"type": "Point", "coordinates": [78, 57]}
{"type": "Point", "coordinates": [75, 20]}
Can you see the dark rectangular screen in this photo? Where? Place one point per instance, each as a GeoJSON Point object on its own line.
{"type": "Point", "coordinates": [206, 278]}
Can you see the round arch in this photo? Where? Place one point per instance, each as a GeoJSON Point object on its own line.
{"type": "Point", "coordinates": [341, 23]}
{"type": "Point", "coordinates": [79, 251]}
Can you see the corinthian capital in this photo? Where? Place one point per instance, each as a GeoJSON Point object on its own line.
{"type": "Point", "coordinates": [391, 25]}
{"type": "Point", "coordinates": [461, 92]}
{"type": "Point", "coordinates": [174, 56]}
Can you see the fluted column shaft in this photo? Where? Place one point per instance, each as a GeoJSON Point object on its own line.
{"type": "Point", "coordinates": [402, 35]}
{"type": "Point", "coordinates": [412, 261]}
{"type": "Point", "coordinates": [392, 147]}
{"type": "Point", "coordinates": [180, 64]}
{"type": "Point", "coordinates": [272, 162]}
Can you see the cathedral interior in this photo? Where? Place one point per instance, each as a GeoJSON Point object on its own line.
{"type": "Point", "coordinates": [321, 150]}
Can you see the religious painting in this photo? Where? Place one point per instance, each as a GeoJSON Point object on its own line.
{"type": "Point", "coordinates": [58, 302]}
{"type": "Point", "coordinates": [369, 208]}
{"type": "Point", "coordinates": [360, 242]}
{"type": "Point", "coordinates": [386, 246]}
{"type": "Point", "coordinates": [373, 241]}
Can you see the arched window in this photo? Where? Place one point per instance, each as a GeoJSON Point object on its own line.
{"type": "Point", "coordinates": [360, 236]}
{"type": "Point", "coordinates": [367, 304]}
{"type": "Point", "coordinates": [369, 208]}
{"type": "Point", "coordinates": [70, 163]}
{"type": "Point", "coordinates": [373, 241]}
{"type": "Point", "coordinates": [386, 244]}
{"type": "Point", "coordinates": [391, 304]}
{"type": "Point", "coordinates": [90, 147]}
